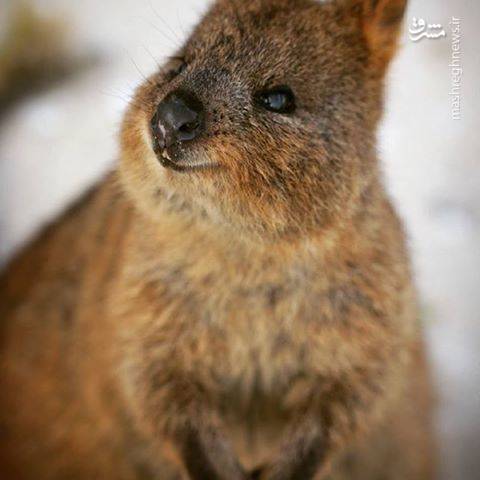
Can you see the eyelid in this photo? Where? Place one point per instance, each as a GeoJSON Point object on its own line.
{"type": "Point", "coordinates": [278, 88]}
{"type": "Point", "coordinates": [178, 58]}
{"type": "Point", "coordinates": [173, 70]}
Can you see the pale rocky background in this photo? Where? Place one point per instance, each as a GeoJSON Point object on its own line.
{"type": "Point", "coordinates": [55, 144]}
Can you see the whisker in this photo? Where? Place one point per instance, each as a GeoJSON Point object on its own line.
{"type": "Point", "coordinates": [178, 40]}
{"type": "Point", "coordinates": [157, 63]}
{"type": "Point", "coordinates": [145, 78]}
{"type": "Point", "coordinates": [128, 98]}
{"type": "Point", "coordinates": [164, 35]}
{"type": "Point", "coordinates": [179, 19]}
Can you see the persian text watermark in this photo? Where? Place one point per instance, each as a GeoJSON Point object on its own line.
{"type": "Point", "coordinates": [420, 29]}
{"type": "Point", "coordinates": [456, 69]}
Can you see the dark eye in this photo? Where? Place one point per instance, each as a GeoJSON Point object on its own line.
{"type": "Point", "coordinates": [278, 99]}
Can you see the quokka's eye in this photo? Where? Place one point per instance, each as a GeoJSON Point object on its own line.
{"type": "Point", "coordinates": [177, 67]}
{"type": "Point", "coordinates": [279, 99]}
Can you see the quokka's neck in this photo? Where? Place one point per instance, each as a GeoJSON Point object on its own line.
{"type": "Point", "coordinates": [177, 235]}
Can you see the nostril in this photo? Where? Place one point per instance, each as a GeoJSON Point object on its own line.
{"type": "Point", "coordinates": [189, 127]}
{"type": "Point", "coordinates": [179, 118]}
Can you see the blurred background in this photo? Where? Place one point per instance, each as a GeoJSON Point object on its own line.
{"type": "Point", "coordinates": [61, 135]}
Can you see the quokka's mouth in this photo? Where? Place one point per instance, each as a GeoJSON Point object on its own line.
{"type": "Point", "coordinates": [174, 159]}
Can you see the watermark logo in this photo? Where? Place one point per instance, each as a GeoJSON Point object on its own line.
{"type": "Point", "coordinates": [420, 29]}
{"type": "Point", "coordinates": [456, 68]}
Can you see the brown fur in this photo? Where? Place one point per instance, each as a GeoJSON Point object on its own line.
{"type": "Point", "coordinates": [254, 319]}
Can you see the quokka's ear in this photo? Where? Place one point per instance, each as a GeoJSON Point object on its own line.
{"type": "Point", "coordinates": [381, 23]}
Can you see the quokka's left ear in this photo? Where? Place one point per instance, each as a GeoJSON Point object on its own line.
{"type": "Point", "coordinates": [381, 23]}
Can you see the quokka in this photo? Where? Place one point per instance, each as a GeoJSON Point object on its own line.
{"type": "Point", "coordinates": [235, 300]}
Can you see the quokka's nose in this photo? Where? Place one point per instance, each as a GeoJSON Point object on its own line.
{"type": "Point", "coordinates": [179, 118]}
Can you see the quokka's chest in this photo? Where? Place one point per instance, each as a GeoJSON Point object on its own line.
{"type": "Point", "coordinates": [253, 359]}
{"type": "Point", "coordinates": [242, 342]}
{"type": "Point", "coordinates": [243, 336]}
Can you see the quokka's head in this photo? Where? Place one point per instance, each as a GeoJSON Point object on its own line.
{"type": "Point", "coordinates": [265, 120]}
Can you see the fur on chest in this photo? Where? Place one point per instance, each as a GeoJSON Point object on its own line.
{"type": "Point", "coordinates": [241, 337]}
{"type": "Point", "coordinates": [242, 345]}
{"type": "Point", "coordinates": [248, 333]}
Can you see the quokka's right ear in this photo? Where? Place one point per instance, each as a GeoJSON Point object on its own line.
{"type": "Point", "coordinates": [381, 22]}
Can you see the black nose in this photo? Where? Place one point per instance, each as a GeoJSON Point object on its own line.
{"type": "Point", "coordinates": [179, 118]}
